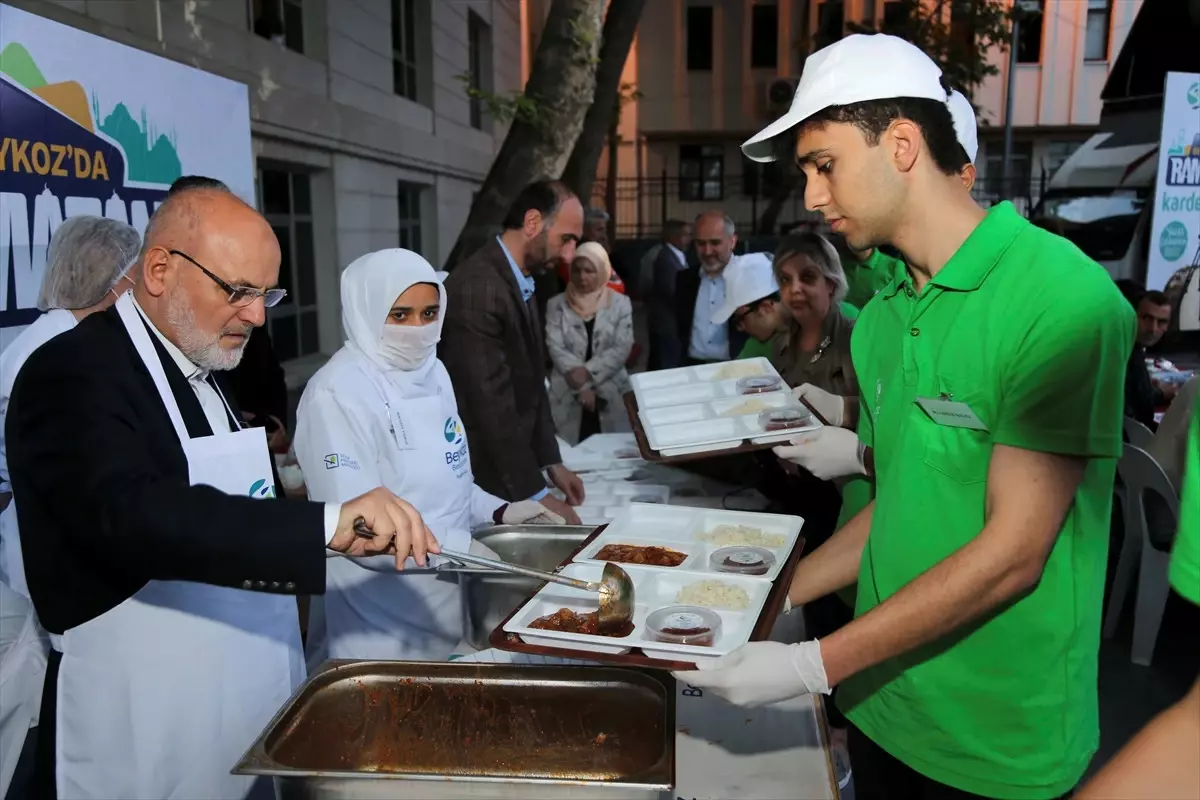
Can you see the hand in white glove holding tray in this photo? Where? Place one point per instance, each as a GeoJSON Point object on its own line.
{"type": "Point", "coordinates": [761, 673]}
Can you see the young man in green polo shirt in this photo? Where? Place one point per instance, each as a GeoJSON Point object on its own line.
{"type": "Point", "coordinates": [993, 408]}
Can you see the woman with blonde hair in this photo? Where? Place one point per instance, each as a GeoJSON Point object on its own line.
{"type": "Point", "coordinates": [589, 333]}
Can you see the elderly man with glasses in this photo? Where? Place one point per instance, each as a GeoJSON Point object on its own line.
{"type": "Point", "coordinates": [166, 588]}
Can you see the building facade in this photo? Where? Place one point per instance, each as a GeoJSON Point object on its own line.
{"type": "Point", "coordinates": [363, 134]}
{"type": "Point", "coordinates": [710, 73]}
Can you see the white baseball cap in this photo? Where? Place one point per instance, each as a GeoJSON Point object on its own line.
{"type": "Point", "coordinates": [861, 67]}
{"type": "Point", "coordinates": [750, 278]}
{"type": "Point", "coordinates": [966, 127]}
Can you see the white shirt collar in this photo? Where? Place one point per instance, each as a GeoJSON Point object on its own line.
{"type": "Point", "coordinates": [678, 254]}
{"type": "Point", "coordinates": [189, 370]}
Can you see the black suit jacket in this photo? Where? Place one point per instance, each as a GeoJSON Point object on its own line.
{"type": "Point", "coordinates": [1141, 397]}
{"type": "Point", "coordinates": [493, 348]}
{"type": "Point", "coordinates": [665, 348]}
{"type": "Point", "coordinates": [103, 499]}
{"type": "Point", "coordinates": [687, 289]}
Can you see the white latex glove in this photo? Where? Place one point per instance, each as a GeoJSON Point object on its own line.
{"type": "Point", "coordinates": [761, 673]}
{"type": "Point", "coordinates": [827, 453]}
{"type": "Point", "coordinates": [830, 406]}
{"type": "Point", "coordinates": [529, 511]}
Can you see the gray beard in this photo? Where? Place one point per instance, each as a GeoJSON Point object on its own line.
{"type": "Point", "coordinates": [203, 350]}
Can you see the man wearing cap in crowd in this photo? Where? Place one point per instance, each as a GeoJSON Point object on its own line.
{"type": "Point", "coordinates": [752, 305]}
{"type": "Point", "coordinates": [994, 413]}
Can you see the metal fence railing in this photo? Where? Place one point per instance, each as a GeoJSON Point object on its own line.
{"type": "Point", "coordinates": [641, 205]}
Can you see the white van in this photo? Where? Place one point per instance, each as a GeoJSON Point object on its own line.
{"type": "Point", "coordinates": [1102, 199]}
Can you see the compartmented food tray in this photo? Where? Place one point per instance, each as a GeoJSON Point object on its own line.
{"type": "Point", "coordinates": [746, 605]}
{"type": "Point", "coordinates": [730, 422]}
{"type": "Point", "coordinates": [711, 376]}
{"type": "Point", "coordinates": [697, 533]}
{"type": "Point", "coordinates": [653, 590]}
{"type": "Point", "coordinates": [713, 408]}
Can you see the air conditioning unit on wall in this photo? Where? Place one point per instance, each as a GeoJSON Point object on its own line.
{"type": "Point", "coordinates": [778, 95]}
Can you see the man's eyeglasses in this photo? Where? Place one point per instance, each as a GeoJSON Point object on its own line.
{"type": "Point", "coordinates": [239, 296]}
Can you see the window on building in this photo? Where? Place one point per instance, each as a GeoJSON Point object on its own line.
{"type": "Point", "coordinates": [700, 38]}
{"type": "Point", "coordinates": [1099, 19]}
{"type": "Point", "coordinates": [281, 21]}
{"type": "Point", "coordinates": [764, 36]}
{"type": "Point", "coordinates": [761, 180]}
{"type": "Point", "coordinates": [409, 210]}
{"type": "Point", "coordinates": [962, 27]}
{"type": "Point", "coordinates": [1029, 35]}
{"type": "Point", "coordinates": [701, 172]}
{"type": "Point", "coordinates": [831, 22]}
{"type": "Point", "coordinates": [479, 63]}
{"type": "Point", "coordinates": [404, 48]}
{"type": "Point", "coordinates": [895, 16]}
{"type": "Point", "coordinates": [868, 12]}
{"type": "Point", "coordinates": [1056, 154]}
{"type": "Point", "coordinates": [285, 198]}
{"type": "Point", "coordinates": [1021, 181]}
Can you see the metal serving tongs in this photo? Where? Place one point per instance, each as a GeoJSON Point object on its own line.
{"type": "Point", "coordinates": [614, 587]}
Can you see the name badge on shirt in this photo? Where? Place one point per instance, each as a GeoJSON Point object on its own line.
{"type": "Point", "coordinates": [951, 413]}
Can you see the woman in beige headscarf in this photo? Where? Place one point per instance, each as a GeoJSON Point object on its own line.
{"type": "Point", "coordinates": [589, 332]}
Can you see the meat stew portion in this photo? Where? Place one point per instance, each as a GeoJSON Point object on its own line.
{"type": "Point", "coordinates": [633, 554]}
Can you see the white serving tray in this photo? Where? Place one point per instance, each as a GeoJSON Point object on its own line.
{"type": "Point", "coordinates": [680, 528]}
{"type": "Point", "coordinates": [653, 589]}
{"type": "Point", "coordinates": [726, 371]}
{"type": "Point", "coordinates": [699, 425]}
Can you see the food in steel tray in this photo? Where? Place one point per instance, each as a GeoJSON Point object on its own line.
{"type": "Point", "coordinates": [783, 419]}
{"type": "Point", "coordinates": [567, 621]}
{"type": "Point", "coordinates": [633, 554]}
{"type": "Point", "coordinates": [690, 625]}
{"type": "Point", "coordinates": [742, 560]}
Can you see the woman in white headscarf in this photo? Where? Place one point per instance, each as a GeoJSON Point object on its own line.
{"type": "Point", "coordinates": [382, 413]}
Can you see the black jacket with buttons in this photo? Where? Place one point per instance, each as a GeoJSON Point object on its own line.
{"type": "Point", "coordinates": [101, 486]}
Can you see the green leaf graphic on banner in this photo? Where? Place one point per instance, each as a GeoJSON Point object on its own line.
{"type": "Point", "coordinates": [16, 63]}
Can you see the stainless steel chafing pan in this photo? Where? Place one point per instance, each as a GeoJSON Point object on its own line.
{"type": "Point", "coordinates": [394, 729]}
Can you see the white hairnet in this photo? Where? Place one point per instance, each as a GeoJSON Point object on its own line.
{"type": "Point", "coordinates": [86, 258]}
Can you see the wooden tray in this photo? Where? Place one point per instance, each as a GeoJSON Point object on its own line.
{"type": "Point", "coordinates": [649, 454]}
{"type": "Point", "coordinates": [503, 640]}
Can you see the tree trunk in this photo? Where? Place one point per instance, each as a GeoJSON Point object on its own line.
{"type": "Point", "coordinates": [783, 192]}
{"type": "Point", "coordinates": [610, 186]}
{"type": "Point", "coordinates": [620, 25]}
{"type": "Point", "coordinates": [562, 82]}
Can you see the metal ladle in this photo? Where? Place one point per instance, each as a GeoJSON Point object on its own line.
{"type": "Point", "coordinates": [614, 587]}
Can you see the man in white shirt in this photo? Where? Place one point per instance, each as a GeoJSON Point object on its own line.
{"type": "Point", "coordinates": [701, 293]}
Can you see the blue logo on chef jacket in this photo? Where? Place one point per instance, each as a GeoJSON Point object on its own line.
{"type": "Point", "coordinates": [261, 489]}
{"type": "Point", "coordinates": [456, 457]}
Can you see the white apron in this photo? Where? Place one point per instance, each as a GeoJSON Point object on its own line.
{"type": "Point", "coordinates": [160, 696]}
{"type": "Point", "coordinates": [416, 615]}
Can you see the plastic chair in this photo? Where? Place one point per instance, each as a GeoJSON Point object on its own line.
{"type": "Point", "coordinates": [1137, 434]}
{"type": "Point", "coordinates": [1141, 475]}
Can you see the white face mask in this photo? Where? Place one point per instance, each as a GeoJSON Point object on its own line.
{"type": "Point", "coordinates": [409, 346]}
